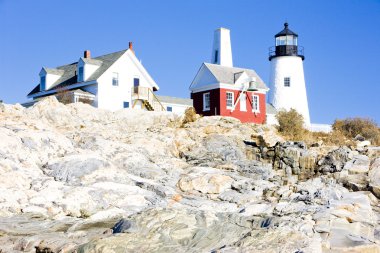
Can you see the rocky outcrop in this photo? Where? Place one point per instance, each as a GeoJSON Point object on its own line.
{"type": "Point", "coordinates": [78, 178]}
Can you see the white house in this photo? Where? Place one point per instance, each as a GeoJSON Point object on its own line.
{"type": "Point", "coordinates": [174, 104]}
{"type": "Point", "coordinates": [112, 81]}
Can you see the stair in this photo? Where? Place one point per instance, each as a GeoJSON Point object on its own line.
{"type": "Point", "coordinates": [147, 105]}
{"type": "Point", "coordinates": [148, 99]}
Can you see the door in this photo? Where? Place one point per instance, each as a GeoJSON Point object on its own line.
{"type": "Point", "coordinates": [243, 102]}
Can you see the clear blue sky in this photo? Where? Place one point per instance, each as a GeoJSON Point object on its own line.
{"type": "Point", "coordinates": [172, 38]}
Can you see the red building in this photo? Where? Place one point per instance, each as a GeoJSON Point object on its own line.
{"type": "Point", "coordinates": [229, 91]}
{"type": "Point", "coordinates": [221, 89]}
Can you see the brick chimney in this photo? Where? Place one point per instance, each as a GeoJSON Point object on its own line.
{"type": "Point", "coordinates": [131, 46]}
{"type": "Point", "coordinates": [87, 54]}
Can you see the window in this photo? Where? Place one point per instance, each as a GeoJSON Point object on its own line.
{"type": "Point", "coordinates": [136, 82]}
{"type": "Point", "coordinates": [169, 108]}
{"type": "Point", "coordinates": [206, 101]}
{"type": "Point", "coordinates": [229, 99]}
{"type": "Point", "coordinates": [287, 81]}
{"type": "Point", "coordinates": [115, 79]}
{"type": "Point", "coordinates": [216, 56]}
{"type": "Point", "coordinates": [126, 105]}
{"type": "Point", "coordinates": [43, 83]}
{"type": "Point", "coordinates": [80, 74]}
{"type": "Point", "coordinates": [255, 103]}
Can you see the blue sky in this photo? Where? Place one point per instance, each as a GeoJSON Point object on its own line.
{"type": "Point", "coordinates": [172, 38]}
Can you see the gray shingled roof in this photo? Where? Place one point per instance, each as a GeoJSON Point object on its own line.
{"type": "Point", "coordinates": [79, 91]}
{"type": "Point", "coordinates": [54, 71]}
{"type": "Point", "coordinates": [174, 100]}
{"type": "Point", "coordinates": [270, 109]}
{"type": "Point", "coordinates": [92, 61]}
{"type": "Point", "coordinates": [227, 74]}
{"type": "Point", "coordinates": [69, 75]}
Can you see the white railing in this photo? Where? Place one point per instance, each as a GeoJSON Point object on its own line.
{"type": "Point", "coordinates": [145, 93]}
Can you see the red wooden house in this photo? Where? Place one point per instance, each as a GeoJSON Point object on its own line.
{"type": "Point", "coordinates": [229, 91]}
{"type": "Point", "coordinates": [221, 89]}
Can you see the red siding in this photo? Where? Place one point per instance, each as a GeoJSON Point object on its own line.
{"type": "Point", "coordinates": [244, 116]}
{"type": "Point", "coordinates": [218, 105]}
{"type": "Point", "coordinates": [214, 102]}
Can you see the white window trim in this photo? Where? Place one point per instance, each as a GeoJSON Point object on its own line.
{"type": "Point", "coordinates": [204, 101]}
{"type": "Point", "coordinates": [253, 103]}
{"type": "Point", "coordinates": [232, 104]}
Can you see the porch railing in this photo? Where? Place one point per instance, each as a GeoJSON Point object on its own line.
{"type": "Point", "coordinates": [146, 94]}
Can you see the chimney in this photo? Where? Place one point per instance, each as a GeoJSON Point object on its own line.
{"type": "Point", "coordinates": [131, 46]}
{"type": "Point", "coordinates": [87, 54]}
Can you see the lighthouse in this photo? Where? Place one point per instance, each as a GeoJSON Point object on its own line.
{"type": "Point", "coordinates": [287, 81]}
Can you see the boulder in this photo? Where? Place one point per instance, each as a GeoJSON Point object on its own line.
{"type": "Point", "coordinates": [374, 177]}
{"type": "Point", "coordinates": [359, 164]}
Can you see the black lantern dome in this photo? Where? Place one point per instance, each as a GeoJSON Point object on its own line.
{"type": "Point", "coordinates": [286, 44]}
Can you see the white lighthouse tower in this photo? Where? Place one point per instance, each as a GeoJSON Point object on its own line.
{"type": "Point", "coordinates": [287, 81]}
{"type": "Point", "coordinates": [221, 50]}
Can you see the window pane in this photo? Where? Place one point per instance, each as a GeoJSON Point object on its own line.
{"type": "Point", "coordinates": [255, 103]}
{"type": "Point", "coordinates": [80, 74]}
{"type": "Point", "coordinates": [136, 82]}
{"type": "Point", "coordinates": [43, 83]}
{"type": "Point", "coordinates": [206, 101]}
{"type": "Point", "coordinates": [126, 104]}
{"type": "Point", "coordinates": [287, 81]}
{"type": "Point", "coordinates": [169, 109]}
{"type": "Point", "coordinates": [216, 56]}
{"type": "Point", "coordinates": [229, 99]}
{"type": "Point", "coordinates": [115, 79]}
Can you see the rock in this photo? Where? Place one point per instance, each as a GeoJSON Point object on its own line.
{"type": "Point", "coordinates": [257, 210]}
{"type": "Point", "coordinates": [199, 180]}
{"type": "Point", "coordinates": [121, 226]}
{"type": "Point", "coordinates": [362, 144]}
{"type": "Point", "coordinates": [359, 138]}
{"type": "Point", "coordinates": [374, 177]}
{"type": "Point", "coordinates": [70, 173]}
{"type": "Point", "coordinates": [359, 164]}
{"type": "Point", "coordinates": [335, 160]}
{"type": "Point", "coordinates": [180, 230]}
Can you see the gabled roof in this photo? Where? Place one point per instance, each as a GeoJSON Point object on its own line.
{"type": "Point", "coordinates": [225, 74]}
{"type": "Point", "coordinates": [69, 75]}
{"type": "Point", "coordinates": [175, 100]}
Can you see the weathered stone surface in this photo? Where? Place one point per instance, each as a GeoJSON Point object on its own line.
{"type": "Point", "coordinates": [68, 174]}
{"type": "Point", "coordinates": [374, 177]}
{"type": "Point", "coordinates": [359, 164]}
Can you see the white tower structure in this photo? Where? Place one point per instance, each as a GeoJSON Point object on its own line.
{"type": "Point", "coordinates": [287, 81]}
{"type": "Point", "coordinates": [221, 50]}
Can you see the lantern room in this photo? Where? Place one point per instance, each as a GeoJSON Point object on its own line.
{"type": "Point", "coordinates": [286, 44]}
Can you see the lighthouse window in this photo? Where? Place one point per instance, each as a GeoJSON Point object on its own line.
{"type": "Point", "coordinates": [287, 81]}
{"type": "Point", "coordinates": [206, 101]}
{"type": "Point", "coordinates": [255, 103]}
{"type": "Point", "coordinates": [229, 99]}
{"type": "Point", "coordinates": [216, 56]}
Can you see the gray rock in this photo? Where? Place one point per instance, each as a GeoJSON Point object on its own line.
{"type": "Point", "coordinates": [121, 226]}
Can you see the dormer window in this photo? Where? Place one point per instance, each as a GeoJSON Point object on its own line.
{"type": "Point", "coordinates": [80, 74]}
{"type": "Point", "coordinates": [42, 83]}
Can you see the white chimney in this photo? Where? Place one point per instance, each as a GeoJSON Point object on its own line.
{"type": "Point", "coordinates": [221, 51]}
